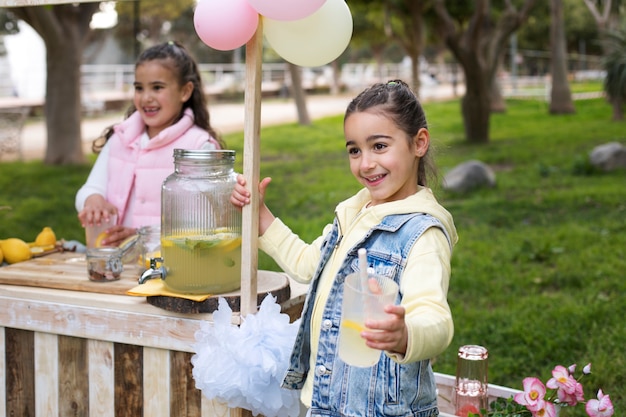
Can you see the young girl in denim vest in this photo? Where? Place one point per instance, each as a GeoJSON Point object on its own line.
{"type": "Point", "coordinates": [408, 235]}
{"type": "Point", "coordinates": [169, 111]}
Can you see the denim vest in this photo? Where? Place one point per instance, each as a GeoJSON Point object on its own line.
{"type": "Point", "coordinates": [388, 388]}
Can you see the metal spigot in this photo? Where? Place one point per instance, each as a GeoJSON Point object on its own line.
{"type": "Point", "coordinates": [154, 271]}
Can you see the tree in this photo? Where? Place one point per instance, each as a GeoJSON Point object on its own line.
{"type": "Point", "coordinates": [615, 67]}
{"type": "Point", "coordinates": [369, 30]}
{"type": "Point", "coordinates": [404, 21]}
{"type": "Point", "coordinates": [605, 13]}
{"type": "Point", "coordinates": [477, 42]}
{"type": "Point", "coordinates": [607, 18]}
{"type": "Point", "coordinates": [149, 22]}
{"type": "Point", "coordinates": [299, 95]}
{"type": "Point", "coordinates": [64, 29]}
{"type": "Point", "coordinates": [560, 96]}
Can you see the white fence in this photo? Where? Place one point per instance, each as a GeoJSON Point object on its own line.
{"type": "Point", "coordinates": [224, 78]}
{"type": "Point", "coordinates": [217, 78]}
{"type": "Point", "coordinates": [101, 83]}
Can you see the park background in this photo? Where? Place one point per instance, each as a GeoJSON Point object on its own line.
{"type": "Point", "coordinates": [537, 275]}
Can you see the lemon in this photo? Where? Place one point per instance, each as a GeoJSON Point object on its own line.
{"type": "Point", "coordinates": [15, 250]}
{"type": "Point", "coordinates": [46, 237]}
{"type": "Point", "coordinates": [229, 244]}
{"type": "Point", "coordinates": [351, 324]}
{"type": "Point", "coordinates": [99, 239]}
{"type": "Point", "coordinates": [128, 242]}
{"type": "Point", "coordinates": [1, 256]}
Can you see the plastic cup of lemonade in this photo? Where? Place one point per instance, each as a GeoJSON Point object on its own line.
{"type": "Point", "coordinates": [360, 304]}
{"type": "Point", "coordinates": [96, 232]}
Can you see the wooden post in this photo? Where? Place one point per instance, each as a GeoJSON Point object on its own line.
{"type": "Point", "coordinates": [251, 170]}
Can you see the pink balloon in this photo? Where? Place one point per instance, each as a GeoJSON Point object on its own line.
{"type": "Point", "coordinates": [286, 9]}
{"type": "Point", "coordinates": [225, 25]}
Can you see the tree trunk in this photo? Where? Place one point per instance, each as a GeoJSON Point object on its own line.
{"type": "Point", "coordinates": [410, 33]}
{"type": "Point", "coordinates": [498, 105]}
{"type": "Point", "coordinates": [63, 106]}
{"type": "Point", "coordinates": [618, 110]}
{"type": "Point", "coordinates": [478, 45]}
{"type": "Point", "coordinates": [299, 95]}
{"type": "Point", "coordinates": [476, 108]}
{"type": "Point", "coordinates": [560, 96]}
{"type": "Point", "coordinates": [64, 30]}
{"type": "Point", "coordinates": [415, 73]}
{"type": "Point", "coordinates": [335, 82]}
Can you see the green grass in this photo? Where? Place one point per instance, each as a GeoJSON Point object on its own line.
{"type": "Point", "coordinates": [539, 271]}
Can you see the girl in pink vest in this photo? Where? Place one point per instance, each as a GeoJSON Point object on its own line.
{"type": "Point", "coordinates": [169, 111]}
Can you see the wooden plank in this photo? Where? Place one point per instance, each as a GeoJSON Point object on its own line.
{"type": "Point", "coordinates": [3, 368]}
{"type": "Point", "coordinates": [47, 371]}
{"type": "Point", "coordinates": [96, 323]}
{"type": "Point", "coordinates": [213, 408]}
{"type": "Point", "coordinates": [101, 378]}
{"type": "Point", "coordinates": [20, 373]}
{"type": "Point", "coordinates": [185, 398]}
{"type": "Point", "coordinates": [156, 382]}
{"type": "Point", "coordinates": [66, 271]}
{"type": "Point", "coordinates": [128, 365]}
{"type": "Point", "coordinates": [101, 301]}
{"type": "Point", "coordinates": [240, 412]}
{"type": "Point", "coordinates": [251, 170]}
{"type": "Point", "coordinates": [73, 380]}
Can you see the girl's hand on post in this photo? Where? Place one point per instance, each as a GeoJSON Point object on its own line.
{"type": "Point", "coordinates": [241, 196]}
{"type": "Point", "coordinates": [391, 334]}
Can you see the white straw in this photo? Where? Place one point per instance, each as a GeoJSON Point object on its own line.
{"type": "Point", "coordinates": [363, 267]}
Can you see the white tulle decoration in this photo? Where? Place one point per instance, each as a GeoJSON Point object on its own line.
{"type": "Point", "coordinates": [243, 366]}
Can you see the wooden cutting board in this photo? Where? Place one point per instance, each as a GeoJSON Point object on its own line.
{"type": "Point", "coordinates": [65, 271]}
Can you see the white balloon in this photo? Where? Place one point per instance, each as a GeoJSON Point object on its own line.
{"type": "Point", "coordinates": [315, 40]}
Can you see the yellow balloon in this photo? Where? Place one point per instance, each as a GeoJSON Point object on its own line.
{"type": "Point", "coordinates": [315, 40]}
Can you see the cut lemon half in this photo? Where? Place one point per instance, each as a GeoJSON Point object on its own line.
{"type": "Point", "coordinates": [351, 324]}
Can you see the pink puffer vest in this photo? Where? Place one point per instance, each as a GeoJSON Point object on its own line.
{"type": "Point", "coordinates": [146, 169]}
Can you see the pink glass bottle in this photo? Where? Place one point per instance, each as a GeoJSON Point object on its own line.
{"type": "Point", "coordinates": [471, 390]}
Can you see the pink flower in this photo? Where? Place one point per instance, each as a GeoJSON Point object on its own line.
{"type": "Point", "coordinates": [533, 394]}
{"type": "Point", "coordinates": [547, 410]}
{"type": "Point", "coordinates": [587, 369]}
{"type": "Point", "coordinates": [562, 380]}
{"type": "Point", "coordinates": [571, 398]}
{"type": "Point", "coordinates": [602, 407]}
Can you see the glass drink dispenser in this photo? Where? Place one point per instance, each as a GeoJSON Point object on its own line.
{"type": "Point", "coordinates": [200, 228]}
